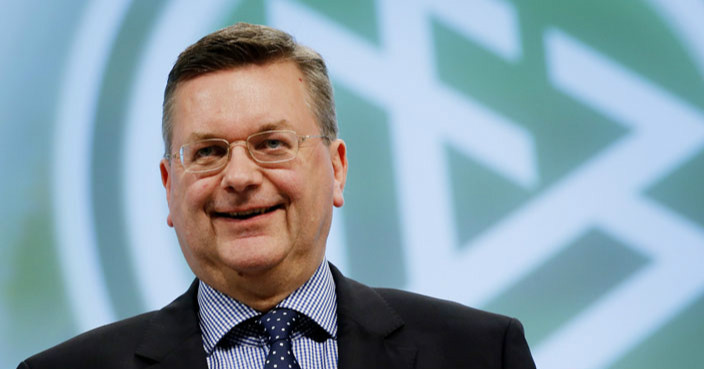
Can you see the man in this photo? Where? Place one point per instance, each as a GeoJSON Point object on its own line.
{"type": "Point", "coordinates": [252, 170]}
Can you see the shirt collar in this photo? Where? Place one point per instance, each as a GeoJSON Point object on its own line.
{"type": "Point", "coordinates": [315, 299]}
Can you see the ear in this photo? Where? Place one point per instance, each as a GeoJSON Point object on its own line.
{"type": "Point", "coordinates": [338, 155]}
{"type": "Point", "coordinates": [165, 167]}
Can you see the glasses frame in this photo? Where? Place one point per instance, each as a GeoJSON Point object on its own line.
{"type": "Point", "coordinates": [246, 143]}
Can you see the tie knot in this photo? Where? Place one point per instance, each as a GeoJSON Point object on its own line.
{"type": "Point", "coordinates": [278, 323]}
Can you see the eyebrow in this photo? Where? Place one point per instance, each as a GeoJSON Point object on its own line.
{"type": "Point", "coordinates": [271, 126]}
{"type": "Point", "coordinates": [195, 136]}
{"type": "Point", "coordinates": [281, 124]}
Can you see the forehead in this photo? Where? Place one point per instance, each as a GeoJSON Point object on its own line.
{"type": "Point", "coordinates": [237, 102]}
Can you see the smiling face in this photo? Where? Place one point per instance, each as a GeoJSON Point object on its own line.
{"type": "Point", "coordinates": [252, 222]}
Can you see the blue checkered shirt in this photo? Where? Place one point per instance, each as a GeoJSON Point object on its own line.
{"type": "Point", "coordinates": [232, 339]}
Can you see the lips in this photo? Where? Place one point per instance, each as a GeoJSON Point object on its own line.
{"type": "Point", "coordinates": [246, 214]}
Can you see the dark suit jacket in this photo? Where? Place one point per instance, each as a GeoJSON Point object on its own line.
{"type": "Point", "coordinates": [377, 328]}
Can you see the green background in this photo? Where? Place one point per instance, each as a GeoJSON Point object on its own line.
{"type": "Point", "coordinates": [36, 39]}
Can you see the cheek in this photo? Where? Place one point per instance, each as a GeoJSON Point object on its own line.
{"type": "Point", "coordinates": [314, 186]}
{"type": "Point", "coordinates": [196, 193]}
{"type": "Point", "coordinates": [290, 184]}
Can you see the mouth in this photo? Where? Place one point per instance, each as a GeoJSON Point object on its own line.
{"type": "Point", "coordinates": [247, 214]}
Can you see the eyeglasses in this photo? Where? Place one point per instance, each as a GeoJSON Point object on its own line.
{"type": "Point", "coordinates": [213, 154]}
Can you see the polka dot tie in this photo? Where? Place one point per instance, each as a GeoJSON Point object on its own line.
{"type": "Point", "coordinates": [278, 324]}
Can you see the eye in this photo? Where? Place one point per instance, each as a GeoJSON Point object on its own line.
{"type": "Point", "coordinates": [272, 144]}
{"type": "Point", "coordinates": [209, 152]}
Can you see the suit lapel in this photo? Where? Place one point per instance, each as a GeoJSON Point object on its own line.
{"type": "Point", "coordinates": [370, 332]}
{"type": "Point", "coordinates": [173, 338]}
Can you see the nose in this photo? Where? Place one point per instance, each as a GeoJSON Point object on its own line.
{"type": "Point", "coordinates": [241, 172]}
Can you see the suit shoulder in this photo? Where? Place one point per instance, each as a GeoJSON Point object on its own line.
{"type": "Point", "coordinates": [438, 333]}
{"type": "Point", "coordinates": [92, 348]}
{"type": "Point", "coordinates": [421, 310]}
{"type": "Point", "coordinates": [436, 326]}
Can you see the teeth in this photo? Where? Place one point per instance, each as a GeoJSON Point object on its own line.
{"type": "Point", "coordinates": [248, 212]}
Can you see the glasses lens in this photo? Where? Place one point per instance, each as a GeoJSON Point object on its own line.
{"type": "Point", "coordinates": [205, 155]}
{"type": "Point", "coordinates": [273, 146]}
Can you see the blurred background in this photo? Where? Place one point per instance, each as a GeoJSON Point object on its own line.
{"type": "Point", "coordinates": [541, 159]}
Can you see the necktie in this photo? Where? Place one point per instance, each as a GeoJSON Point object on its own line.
{"type": "Point", "coordinates": [278, 323]}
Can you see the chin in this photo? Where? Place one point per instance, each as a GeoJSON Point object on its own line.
{"type": "Point", "coordinates": [253, 258]}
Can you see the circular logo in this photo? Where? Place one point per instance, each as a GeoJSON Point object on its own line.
{"type": "Point", "coordinates": [413, 114]}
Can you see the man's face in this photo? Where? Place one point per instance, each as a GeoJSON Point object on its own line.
{"type": "Point", "coordinates": [211, 214]}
